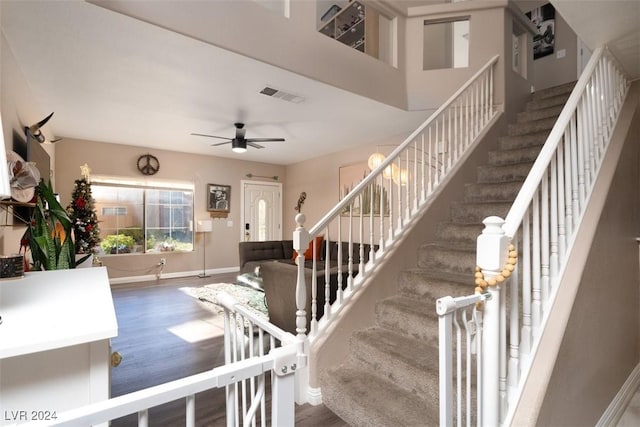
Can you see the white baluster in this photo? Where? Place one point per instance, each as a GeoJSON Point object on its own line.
{"type": "Point", "coordinates": [372, 254]}
{"type": "Point", "coordinates": [339, 294]}
{"type": "Point", "coordinates": [350, 254]}
{"type": "Point", "coordinates": [514, 327]}
{"type": "Point", "coordinates": [544, 239]}
{"type": "Point", "coordinates": [536, 305]}
{"type": "Point", "coordinates": [525, 262]}
{"type": "Point", "coordinates": [562, 230]}
{"type": "Point", "coordinates": [553, 226]}
{"type": "Point", "coordinates": [575, 187]}
{"type": "Point", "coordinates": [432, 167]}
{"type": "Point", "coordinates": [450, 152]}
{"type": "Point", "coordinates": [382, 212]}
{"type": "Point", "coordinates": [190, 410]}
{"type": "Point", "coordinates": [504, 404]}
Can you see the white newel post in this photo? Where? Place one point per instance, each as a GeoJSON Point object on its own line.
{"type": "Point", "coordinates": [493, 247]}
{"type": "Point", "coordinates": [300, 244]}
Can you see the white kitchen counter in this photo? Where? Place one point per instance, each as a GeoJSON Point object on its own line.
{"type": "Point", "coordinates": [46, 310]}
{"type": "Point", "coordinates": [54, 342]}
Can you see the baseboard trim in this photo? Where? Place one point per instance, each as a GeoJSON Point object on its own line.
{"type": "Point", "coordinates": [314, 396]}
{"type": "Point", "coordinates": [150, 277]}
{"type": "Point", "coordinates": [620, 402]}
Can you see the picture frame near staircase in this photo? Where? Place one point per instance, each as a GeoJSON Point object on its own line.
{"type": "Point", "coordinates": [348, 177]}
{"type": "Point", "coordinates": [544, 18]}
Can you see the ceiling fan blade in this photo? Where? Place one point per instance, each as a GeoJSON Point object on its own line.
{"type": "Point", "coordinates": [265, 140]}
{"type": "Point", "coordinates": [253, 144]}
{"type": "Point", "coordinates": [211, 136]}
{"type": "Point", "coordinates": [220, 143]}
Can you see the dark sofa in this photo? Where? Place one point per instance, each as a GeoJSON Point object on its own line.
{"type": "Point", "coordinates": [279, 275]}
{"type": "Point", "coordinates": [254, 254]}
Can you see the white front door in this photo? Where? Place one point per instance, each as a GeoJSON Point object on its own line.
{"type": "Point", "coordinates": [261, 211]}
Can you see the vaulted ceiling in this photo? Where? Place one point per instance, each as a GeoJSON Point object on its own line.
{"type": "Point", "coordinates": [113, 78]}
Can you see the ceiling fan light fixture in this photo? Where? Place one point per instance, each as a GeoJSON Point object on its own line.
{"type": "Point", "coordinates": [238, 146]}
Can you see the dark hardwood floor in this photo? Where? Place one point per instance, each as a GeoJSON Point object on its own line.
{"type": "Point", "coordinates": [164, 335]}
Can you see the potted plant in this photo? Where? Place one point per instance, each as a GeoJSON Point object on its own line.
{"type": "Point", "coordinates": [48, 234]}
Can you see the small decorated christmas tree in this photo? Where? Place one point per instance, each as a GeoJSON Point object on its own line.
{"type": "Point", "coordinates": [83, 215]}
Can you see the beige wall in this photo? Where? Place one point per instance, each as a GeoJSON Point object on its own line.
{"type": "Point", "coordinates": [601, 344]}
{"type": "Point", "coordinates": [319, 179]}
{"type": "Point", "coordinates": [293, 43]}
{"type": "Point", "coordinates": [428, 89]}
{"type": "Point", "coordinates": [120, 160]}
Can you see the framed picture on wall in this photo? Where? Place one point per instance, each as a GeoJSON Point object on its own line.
{"type": "Point", "coordinates": [348, 177]}
{"type": "Point", "coordinates": [218, 198]}
{"type": "Point", "coordinates": [544, 18]}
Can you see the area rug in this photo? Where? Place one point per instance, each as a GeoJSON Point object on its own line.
{"type": "Point", "coordinates": [253, 300]}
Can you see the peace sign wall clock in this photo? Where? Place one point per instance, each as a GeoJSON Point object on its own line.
{"type": "Point", "coordinates": [148, 164]}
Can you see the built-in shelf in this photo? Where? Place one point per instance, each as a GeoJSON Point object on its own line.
{"type": "Point", "coordinates": [355, 26]}
{"type": "Point", "coordinates": [9, 207]}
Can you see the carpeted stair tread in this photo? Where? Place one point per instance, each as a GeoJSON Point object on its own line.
{"type": "Point", "coordinates": [496, 174]}
{"type": "Point", "coordinates": [542, 113]}
{"type": "Point", "coordinates": [476, 212]}
{"type": "Point", "coordinates": [429, 286]}
{"type": "Point", "coordinates": [554, 91]}
{"type": "Point", "coordinates": [456, 233]}
{"type": "Point", "coordinates": [492, 192]}
{"type": "Point", "coordinates": [443, 257]}
{"type": "Point", "coordinates": [416, 318]}
{"type": "Point", "coordinates": [521, 141]}
{"type": "Point", "coordinates": [362, 399]}
{"type": "Point", "coordinates": [537, 104]}
{"type": "Point", "coordinates": [408, 362]}
{"type": "Point", "coordinates": [532, 126]}
{"type": "Point", "coordinates": [516, 155]}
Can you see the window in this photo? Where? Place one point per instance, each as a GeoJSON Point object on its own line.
{"type": "Point", "coordinates": [118, 210]}
{"type": "Point", "coordinates": [446, 44]}
{"type": "Point", "coordinates": [143, 218]}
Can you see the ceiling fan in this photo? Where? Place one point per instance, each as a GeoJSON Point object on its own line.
{"type": "Point", "coordinates": [239, 143]}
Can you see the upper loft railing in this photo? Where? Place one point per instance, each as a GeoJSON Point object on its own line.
{"type": "Point", "coordinates": [359, 231]}
{"type": "Point", "coordinates": [541, 225]}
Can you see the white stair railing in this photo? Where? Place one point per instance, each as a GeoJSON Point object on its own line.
{"type": "Point", "coordinates": [253, 347]}
{"type": "Point", "coordinates": [542, 225]}
{"type": "Point", "coordinates": [361, 229]}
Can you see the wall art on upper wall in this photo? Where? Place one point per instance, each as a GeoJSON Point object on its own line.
{"type": "Point", "coordinates": [544, 18]}
{"type": "Point", "coordinates": [374, 197]}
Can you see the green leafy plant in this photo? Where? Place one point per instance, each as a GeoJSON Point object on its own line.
{"type": "Point", "coordinates": [117, 243]}
{"type": "Point", "coordinates": [48, 235]}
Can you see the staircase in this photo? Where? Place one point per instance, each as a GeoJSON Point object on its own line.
{"type": "Point", "coordinates": [391, 376]}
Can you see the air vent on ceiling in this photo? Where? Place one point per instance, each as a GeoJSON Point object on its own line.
{"type": "Point", "coordinates": [277, 93]}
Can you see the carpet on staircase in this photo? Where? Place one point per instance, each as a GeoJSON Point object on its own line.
{"type": "Point", "coordinates": [391, 376]}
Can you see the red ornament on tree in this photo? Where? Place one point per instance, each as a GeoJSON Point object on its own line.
{"type": "Point", "coordinates": [80, 202]}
